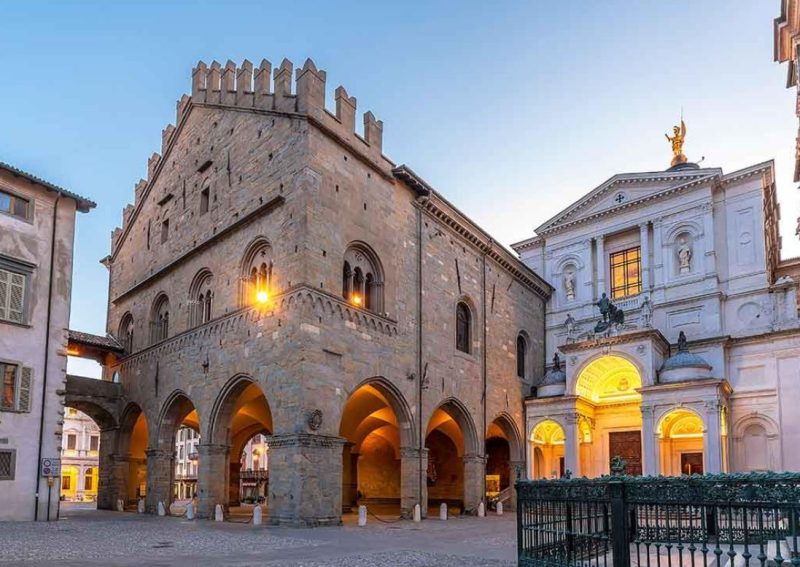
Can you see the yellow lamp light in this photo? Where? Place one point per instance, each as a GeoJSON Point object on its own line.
{"type": "Point", "coordinates": [356, 299]}
{"type": "Point", "coordinates": [262, 296]}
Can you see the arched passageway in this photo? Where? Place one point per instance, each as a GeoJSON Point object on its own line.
{"type": "Point", "coordinates": [503, 456]}
{"type": "Point", "coordinates": [376, 424]}
{"type": "Point", "coordinates": [547, 450]}
{"type": "Point", "coordinates": [680, 434]}
{"type": "Point", "coordinates": [456, 470]}
{"type": "Point", "coordinates": [240, 412]}
{"type": "Point", "coordinates": [80, 457]}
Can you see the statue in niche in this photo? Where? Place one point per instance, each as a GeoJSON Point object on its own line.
{"type": "Point", "coordinates": [682, 344]}
{"type": "Point", "coordinates": [569, 284]}
{"type": "Point", "coordinates": [684, 257]}
{"type": "Point", "coordinates": [571, 327]}
{"type": "Point", "coordinates": [556, 363]}
{"type": "Point", "coordinates": [647, 313]}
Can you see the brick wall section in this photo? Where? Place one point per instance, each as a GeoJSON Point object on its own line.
{"type": "Point", "coordinates": [310, 185]}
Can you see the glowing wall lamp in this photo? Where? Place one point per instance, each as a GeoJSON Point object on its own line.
{"type": "Point", "coordinates": [262, 296]}
{"type": "Point", "coordinates": [356, 299]}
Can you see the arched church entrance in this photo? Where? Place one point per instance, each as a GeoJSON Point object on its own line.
{"type": "Point", "coordinates": [608, 422]}
{"type": "Point", "coordinates": [547, 441]}
{"type": "Point", "coordinates": [680, 433]}
{"type": "Point", "coordinates": [178, 411]}
{"type": "Point", "coordinates": [376, 423]}
{"type": "Point", "coordinates": [240, 413]}
{"type": "Point", "coordinates": [456, 472]}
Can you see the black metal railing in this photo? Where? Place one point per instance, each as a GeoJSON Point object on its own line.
{"type": "Point", "coordinates": [725, 520]}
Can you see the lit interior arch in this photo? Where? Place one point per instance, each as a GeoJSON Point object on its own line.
{"type": "Point", "coordinates": [609, 380]}
{"type": "Point", "coordinates": [681, 424]}
{"type": "Point", "coordinates": [548, 432]}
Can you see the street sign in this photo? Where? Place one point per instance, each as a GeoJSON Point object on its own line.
{"type": "Point", "coordinates": [51, 466]}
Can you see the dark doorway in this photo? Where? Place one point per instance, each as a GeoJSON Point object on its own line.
{"type": "Point", "coordinates": [691, 463]}
{"type": "Point", "coordinates": [628, 446]}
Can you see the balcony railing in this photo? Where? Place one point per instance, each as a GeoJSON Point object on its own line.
{"type": "Point", "coordinates": [248, 474]}
{"type": "Point", "coordinates": [734, 519]}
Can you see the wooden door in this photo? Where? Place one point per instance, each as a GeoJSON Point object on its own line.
{"type": "Point", "coordinates": [691, 463]}
{"type": "Point", "coordinates": [628, 446]}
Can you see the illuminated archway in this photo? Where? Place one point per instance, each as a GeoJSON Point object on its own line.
{"type": "Point", "coordinates": [610, 379]}
{"type": "Point", "coordinates": [681, 432]}
{"type": "Point", "coordinates": [547, 442]}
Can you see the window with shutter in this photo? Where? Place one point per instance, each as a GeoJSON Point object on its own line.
{"type": "Point", "coordinates": [25, 379]}
{"type": "Point", "coordinates": [8, 394]}
{"type": "Point", "coordinates": [7, 464]}
{"type": "Point", "coordinates": [5, 278]}
{"type": "Point", "coordinates": [12, 296]}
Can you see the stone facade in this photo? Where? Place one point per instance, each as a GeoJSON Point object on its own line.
{"type": "Point", "coordinates": [37, 224]}
{"type": "Point", "coordinates": [79, 457]}
{"type": "Point", "coordinates": [702, 248]}
{"type": "Point", "coordinates": [256, 185]}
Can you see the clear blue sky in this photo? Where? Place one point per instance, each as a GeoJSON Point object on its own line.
{"type": "Point", "coordinates": [511, 109]}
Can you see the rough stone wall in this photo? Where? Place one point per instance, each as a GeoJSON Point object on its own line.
{"type": "Point", "coordinates": [309, 350]}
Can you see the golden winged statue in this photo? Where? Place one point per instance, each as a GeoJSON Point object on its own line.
{"type": "Point", "coordinates": [677, 143]}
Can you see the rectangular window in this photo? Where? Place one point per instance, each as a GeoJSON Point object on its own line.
{"type": "Point", "coordinates": [14, 205]}
{"type": "Point", "coordinates": [8, 372]}
{"type": "Point", "coordinates": [94, 443]}
{"type": "Point", "coordinates": [87, 480]}
{"type": "Point", "coordinates": [626, 273]}
{"type": "Point", "coordinates": [8, 459]}
{"type": "Point", "coordinates": [66, 482]}
{"type": "Point", "coordinates": [204, 201]}
{"type": "Point", "coordinates": [164, 231]}
{"type": "Point", "coordinates": [12, 296]}
{"type": "Point", "coordinates": [72, 441]}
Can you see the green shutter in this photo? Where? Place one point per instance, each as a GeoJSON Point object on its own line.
{"type": "Point", "coordinates": [25, 380]}
{"type": "Point", "coordinates": [4, 278]}
{"type": "Point", "coordinates": [16, 298]}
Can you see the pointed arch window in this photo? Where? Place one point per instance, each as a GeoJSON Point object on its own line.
{"type": "Point", "coordinates": [362, 278]}
{"type": "Point", "coordinates": [201, 297]}
{"type": "Point", "coordinates": [522, 350]}
{"type": "Point", "coordinates": [463, 327]}
{"type": "Point", "coordinates": [125, 333]}
{"type": "Point", "coordinates": [159, 321]}
{"type": "Point", "coordinates": [257, 274]}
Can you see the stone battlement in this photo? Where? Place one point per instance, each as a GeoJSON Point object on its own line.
{"type": "Point", "coordinates": [263, 89]}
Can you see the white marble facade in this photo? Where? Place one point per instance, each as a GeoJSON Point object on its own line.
{"type": "Point", "coordinates": [709, 267]}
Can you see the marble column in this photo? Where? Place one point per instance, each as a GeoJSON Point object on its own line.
{"type": "Point", "coordinates": [305, 480]}
{"type": "Point", "coordinates": [160, 474]}
{"type": "Point", "coordinates": [650, 441]}
{"type": "Point", "coordinates": [644, 243]}
{"type": "Point", "coordinates": [412, 460]}
{"type": "Point", "coordinates": [602, 267]}
{"type": "Point", "coordinates": [213, 477]}
{"type": "Point", "coordinates": [572, 446]}
{"type": "Point", "coordinates": [474, 482]}
{"type": "Point", "coordinates": [712, 438]}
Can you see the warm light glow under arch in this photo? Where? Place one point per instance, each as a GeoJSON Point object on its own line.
{"type": "Point", "coordinates": [548, 432]}
{"type": "Point", "coordinates": [609, 379]}
{"type": "Point", "coordinates": [681, 423]}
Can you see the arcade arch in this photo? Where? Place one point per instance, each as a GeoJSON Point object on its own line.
{"type": "Point", "coordinates": [680, 433]}
{"type": "Point", "coordinates": [547, 450]}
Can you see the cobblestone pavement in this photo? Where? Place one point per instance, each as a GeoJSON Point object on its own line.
{"type": "Point", "coordinates": [94, 538]}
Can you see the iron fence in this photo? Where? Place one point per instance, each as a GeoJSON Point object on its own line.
{"type": "Point", "coordinates": [725, 520]}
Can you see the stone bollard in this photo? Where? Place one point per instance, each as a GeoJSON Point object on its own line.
{"type": "Point", "coordinates": [499, 508]}
{"type": "Point", "coordinates": [481, 510]}
{"type": "Point", "coordinates": [443, 511]}
{"type": "Point", "coordinates": [140, 506]}
{"type": "Point", "coordinates": [161, 510]}
{"type": "Point", "coordinates": [120, 505]}
{"type": "Point", "coordinates": [218, 515]}
{"type": "Point", "coordinates": [362, 516]}
{"type": "Point", "coordinates": [417, 513]}
{"type": "Point", "coordinates": [257, 515]}
{"type": "Point", "coordinates": [190, 510]}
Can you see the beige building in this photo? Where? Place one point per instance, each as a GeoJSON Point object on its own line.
{"type": "Point", "coordinates": [80, 446]}
{"type": "Point", "coordinates": [37, 224]}
{"type": "Point", "coordinates": [276, 274]}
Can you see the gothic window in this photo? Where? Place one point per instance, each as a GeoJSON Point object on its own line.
{"type": "Point", "coordinates": [257, 274]}
{"type": "Point", "coordinates": [125, 334]}
{"type": "Point", "coordinates": [463, 327]}
{"type": "Point", "coordinates": [626, 271]}
{"type": "Point", "coordinates": [362, 278]}
{"type": "Point", "coordinates": [159, 320]}
{"type": "Point", "coordinates": [201, 296]}
{"type": "Point", "coordinates": [522, 349]}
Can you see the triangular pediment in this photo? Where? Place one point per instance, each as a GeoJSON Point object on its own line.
{"type": "Point", "coordinates": [622, 190]}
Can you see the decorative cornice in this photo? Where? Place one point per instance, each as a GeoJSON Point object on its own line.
{"type": "Point", "coordinates": [624, 338]}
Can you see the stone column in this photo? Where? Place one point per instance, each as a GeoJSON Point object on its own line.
{"type": "Point", "coordinates": [234, 483]}
{"type": "Point", "coordinates": [650, 441]}
{"type": "Point", "coordinates": [107, 485]}
{"type": "Point", "coordinates": [474, 482]}
{"type": "Point", "coordinates": [118, 468]}
{"type": "Point", "coordinates": [712, 438]}
{"type": "Point", "coordinates": [602, 267]}
{"type": "Point", "coordinates": [644, 242]}
{"type": "Point", "coordinates": [658, 254]}
{"type": "Point", "coordinates": [160, 472]}
{"type": "Point", "coordinates": [212, 478]}
{"type": "Point", "coordinates": [305, 480]}
{"type": "Point", "coordinates": [572, 446]}
{"type": "Point", "coordinates": [710, 257]}
{"type": "Point", "coordinates": [411, 459]}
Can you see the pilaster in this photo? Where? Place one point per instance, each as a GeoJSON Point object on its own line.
{"type": "Point", "coordinates": [650, 441]}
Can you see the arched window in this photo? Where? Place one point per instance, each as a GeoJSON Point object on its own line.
{"type": "Point", "coordinates": [257, 282]}
{"type": "Point", "coordinates": [463, 327]}
{"type": "Point", "coordinates": [125, 333]}
{"type": "Point", "coordinates": [201, 296]}
{"type": "Point", "coordinates": [522, 350]}
{"type": "Point", "coordinates": [362, 278]}
{"type": "Point", "coordinates": [159, 320]}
